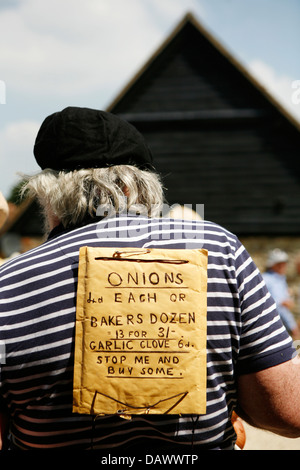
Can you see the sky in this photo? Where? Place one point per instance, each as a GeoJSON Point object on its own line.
{"type": "Point", "coordinates": [58, 53]}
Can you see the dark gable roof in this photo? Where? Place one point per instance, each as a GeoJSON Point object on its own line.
{"type": "Point", "coordinates": [218, 137]}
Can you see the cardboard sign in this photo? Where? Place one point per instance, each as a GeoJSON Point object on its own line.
{"type": "Point", "coordinates": [140, 343]}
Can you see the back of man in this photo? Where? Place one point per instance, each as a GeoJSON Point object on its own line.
{"type": "Point", "coordinates": [38, 308]}
{"type": "Point", "coordinates": [92, 160]}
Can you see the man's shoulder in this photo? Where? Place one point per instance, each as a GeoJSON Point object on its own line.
{"type": "Point", "coordinates": [113, 230]}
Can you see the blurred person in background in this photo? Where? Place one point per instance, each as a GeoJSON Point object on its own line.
{"type": "Point", "coordinates": [275, 279]}
{"type": "Point", "coordinates": [3, 210]}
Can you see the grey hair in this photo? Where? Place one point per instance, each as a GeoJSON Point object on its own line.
{"type": "Point", "coordinates": [75, 195]}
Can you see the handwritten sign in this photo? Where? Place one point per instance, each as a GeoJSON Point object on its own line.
{"type": "Point", "coordinates": [140, 343]}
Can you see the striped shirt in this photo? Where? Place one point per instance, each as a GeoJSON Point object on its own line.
{"type": "Point", "coordinates": [37, 324]}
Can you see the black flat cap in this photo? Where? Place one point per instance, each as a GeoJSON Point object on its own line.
{"type": "Point", "coordinates": [77, 138]}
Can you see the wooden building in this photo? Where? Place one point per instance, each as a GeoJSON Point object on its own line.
{"type": "Point", "coordinates": [217, 136]}
{"type": "Point", "coordinates": [23, 230]}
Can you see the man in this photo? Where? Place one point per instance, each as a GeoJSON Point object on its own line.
{"type": "Point", "coordinates": [3, 210]}
{"type": "Point", "coordinates": [91, 162]}
{"type": "Point", "coordinates": [275, 279]}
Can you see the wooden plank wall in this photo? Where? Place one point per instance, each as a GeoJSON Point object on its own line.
{"type": "Point", "coordinates": [217, 140]}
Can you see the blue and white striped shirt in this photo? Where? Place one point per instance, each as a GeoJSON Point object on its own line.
{"type": "Point", "coordinates": [37, 323]}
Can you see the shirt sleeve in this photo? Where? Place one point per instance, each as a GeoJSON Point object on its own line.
{"type": "Point", "coordinates": [264, 341]}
